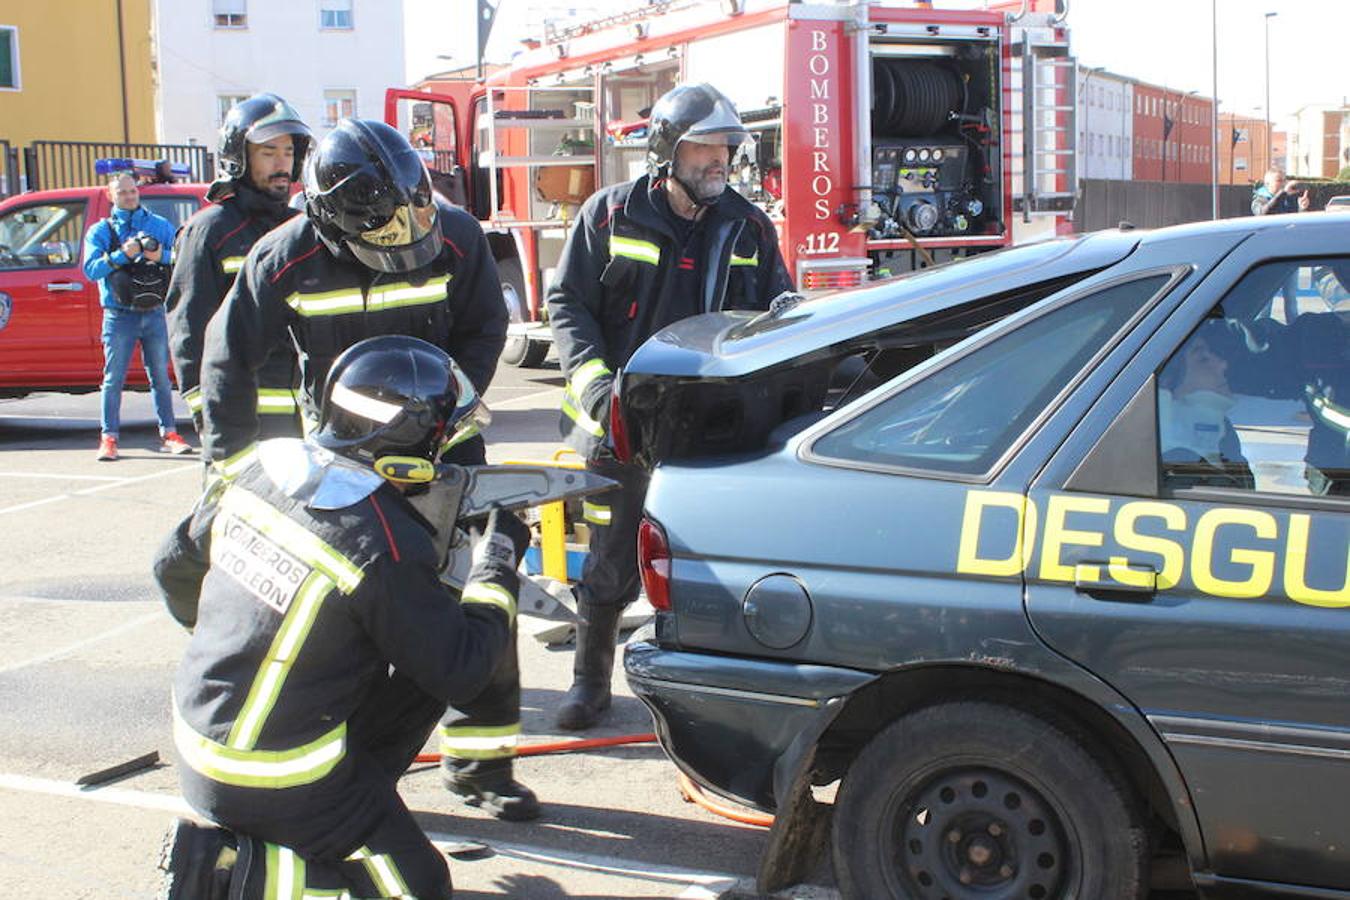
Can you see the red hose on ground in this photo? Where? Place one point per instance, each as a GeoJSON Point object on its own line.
{"type": "Point", "coordinates": [691, 791]}
{"type": "Point", "coordinates": [695, 794]}
{"type": "Point", "coordinates": [562, 746]}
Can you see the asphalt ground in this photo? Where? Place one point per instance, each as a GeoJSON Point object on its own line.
{"type": "Point", "coordinates": [87, 655]}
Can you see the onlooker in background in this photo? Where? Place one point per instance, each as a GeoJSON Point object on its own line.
{"type": "Point", "coordinates": [128, 254]}
{"type": "Point", "coordinates": [261, 150]}
{"type": "Point", "coordinates": [1274, 195]}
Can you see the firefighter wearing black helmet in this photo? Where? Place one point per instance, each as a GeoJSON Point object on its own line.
{"type": "Point", "coordinates": [642, 255]}
{"type": "Point", "coordinates": [261, 150]}
{"type": "Point", "coordinates": [375, 253]}
{"type": "Point", "coordinates": [325, 646]}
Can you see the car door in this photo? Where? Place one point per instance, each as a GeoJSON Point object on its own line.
{"type": "Point", "coordinates": [1191, 550]}
{"type": "Point", "coordinates": [46, 304]}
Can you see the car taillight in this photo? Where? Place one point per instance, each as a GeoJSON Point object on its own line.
{"type": "Point", "coordinates": [618, 431]}
{"type": "Point", "coordinates": [654, 564]}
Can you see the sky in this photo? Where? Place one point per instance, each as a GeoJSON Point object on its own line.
{"type": "Point", "coordinates": [1167, 42]}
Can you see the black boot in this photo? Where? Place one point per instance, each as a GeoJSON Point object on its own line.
{"type": "Point", "coordinates": [197, 862]}
{"type": "Point", "coordinates": [592, 668]}
{"type": "Point", "coordinates": [498, 793]}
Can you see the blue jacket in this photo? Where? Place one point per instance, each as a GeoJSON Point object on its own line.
{"type": "Point", "coordinates": [103, 249]}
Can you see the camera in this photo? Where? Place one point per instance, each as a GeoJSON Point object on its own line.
{"type": "Point", "coordinates": [149, 243]}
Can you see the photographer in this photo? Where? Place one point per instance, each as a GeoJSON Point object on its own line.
{"type": "Point", "coordinates": [128, 254]}
{"type": "Point", "coordinates": [1273, 196]}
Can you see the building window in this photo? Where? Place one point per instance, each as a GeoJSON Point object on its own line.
{"type": "Point", "coordinates": [225, 103]}
{"type": "Point", "coordinates": [338, 105]}
{"type": "Point", "coordinates": [335, 14]}
{"type": "Point", "coordinates": [9, 58]}
{"type": "Point", "coordinates": [230, 13]}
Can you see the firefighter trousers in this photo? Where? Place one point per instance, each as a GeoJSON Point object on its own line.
{"type": "Point", "coordinates": [609, 577]}
{"type": "Point", "coordinates": [349, 832]}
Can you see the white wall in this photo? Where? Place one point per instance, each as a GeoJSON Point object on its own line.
{"type": "Point", "coordinates": [1105, 125]}
{"type": "Point", "coordinates": [281, 50]}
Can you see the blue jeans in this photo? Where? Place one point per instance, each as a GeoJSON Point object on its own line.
{"type": "Point", "coordinates": [122, 328]}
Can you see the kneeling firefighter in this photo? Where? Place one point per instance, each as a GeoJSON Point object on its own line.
{"type": "Point", "coordinates": [324, 645]}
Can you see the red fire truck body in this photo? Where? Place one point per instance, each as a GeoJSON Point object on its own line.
{"type": "Point", "coordinates": [888, 137]}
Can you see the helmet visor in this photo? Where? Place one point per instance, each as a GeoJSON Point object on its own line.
{"type": "Point", "coordinates": [732, 138]}
{"type": "Point", "coordinates": [264, 132]}
{"type": "Point", "coordinates": [408, 240]}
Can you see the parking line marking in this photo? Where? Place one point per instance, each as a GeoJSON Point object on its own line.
{"type": "Point", "coordinates": [63, 477]}
{"type": "Point", "coordinates": [513, 400]}
{"type": "Point", "coordinates": [80, 645]}
{"type": "Point", "coordinates": [101, 487]}
{"type": "Point", "coordinates": [547, 855]}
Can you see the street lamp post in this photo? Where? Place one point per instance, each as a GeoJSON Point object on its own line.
{"type": "Point", "coordinates": [1269, 16]}
{"type": "Point", "coordinates": [1214, 113]}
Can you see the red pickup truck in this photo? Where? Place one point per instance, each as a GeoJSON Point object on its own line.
{"type": "Point", "coordinates": [50, 319]}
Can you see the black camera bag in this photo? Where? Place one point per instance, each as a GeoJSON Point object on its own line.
{"type": "Point", "coordinates": [139, 285]}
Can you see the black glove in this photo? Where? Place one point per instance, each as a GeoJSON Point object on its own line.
{"type": "Point", "coordinates": [499, 541]}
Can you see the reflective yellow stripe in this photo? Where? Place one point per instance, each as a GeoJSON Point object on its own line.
{"type": "Point", "coordinates": [594, 512]}
{"type": "Point", "coordinates": [275, 400]}
{"type": "Point", "coordinates": [1329, 412]}
{"type": "Point", "coordinates": [293, 536]}
{"type": "Point", "coordinates": [584, 422]}
{"type": "Point", "coordinates": [193, 398]}
{"type": "Point", "coordinates": [586, 373]}
{"type": "Point", "coordinates": [284, 874]}
{"type": "Point", "coordinates": [642, 251]}
{"type": "Point", "coordinates": [281, 656]}
{"type": "Point", "coordinates": [232, 264]}
{"type": "Point", "coordinates": [491, 594]}
{"type": "Point", "coordinates": [231, 466]}
{"type": "Point", "coordinates": [745, 260]}
{"type": "Point", "coordinates": [393, 296]}
{"type": "Point", "coordinates": [272, 769]}
{"type": "Point", "coordinates": [382, 871]}
{"type": "Point", "coordinates": [479, 741]}
{"type": "Point", "coordinates": [581, 379]}
{"type": "Point", "coordinates": [380, 297]}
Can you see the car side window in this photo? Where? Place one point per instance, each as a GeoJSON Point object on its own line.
{"type": "Point", "coordinates": [1257, 397]}
{"type": "Point", "coordinates": [47, 235]}
{"type": "Point", "coordinates": [963, 417]}
{"type": "Point", "coordinates": [174, 208]}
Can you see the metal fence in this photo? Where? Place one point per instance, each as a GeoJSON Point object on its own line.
{"type": "Point", "coordinates": [58, 164]}
{"type": "Point", "coordinates": [1105, 203]}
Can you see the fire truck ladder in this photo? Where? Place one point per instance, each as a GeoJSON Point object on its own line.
{"type": "Point", "coordinates": [1049, 105]}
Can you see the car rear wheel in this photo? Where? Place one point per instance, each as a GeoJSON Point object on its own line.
{"type": "Point", "coordinates": [519, 350]}
{"type": "Point", "coordinates": [980, 800]}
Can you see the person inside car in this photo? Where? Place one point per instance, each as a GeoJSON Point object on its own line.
{"type": "Point", "coordinates": [1199, 445]}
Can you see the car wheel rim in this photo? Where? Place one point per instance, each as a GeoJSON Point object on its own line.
{"type": "Point", "coordinates": [969, 832]}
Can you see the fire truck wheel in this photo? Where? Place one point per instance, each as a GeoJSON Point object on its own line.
{"type": "Point", "coordinates": [968, 800]}
{"type": "Point", "coordinates": [519, 351]}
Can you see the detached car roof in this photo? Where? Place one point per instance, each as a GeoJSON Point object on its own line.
{"type": "Point", "coordinates": [734, 344]}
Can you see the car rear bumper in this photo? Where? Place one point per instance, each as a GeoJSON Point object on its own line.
{"type": "Point", "coordinates": [738, 726]}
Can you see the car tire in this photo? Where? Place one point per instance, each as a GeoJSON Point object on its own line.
{"type": "Point", "coordinates": [972, 800]}
{"type": "Point", "coordinates": [519, 351]}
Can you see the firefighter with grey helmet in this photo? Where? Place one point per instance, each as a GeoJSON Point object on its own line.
{"type": "Point", "coordinates": [377, 252]}
{"type": "Point", "coordinates": [259, 155]}
{"type": "Point", "coordinates": [643, 254]}
{"type": "Point", "coordinates": [325, 645]}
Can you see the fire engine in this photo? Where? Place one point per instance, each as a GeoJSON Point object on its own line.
{"type": "Point", "coordinates": [888, 136]}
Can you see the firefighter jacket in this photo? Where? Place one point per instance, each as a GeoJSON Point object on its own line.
{"type": "Point", "coordinates": [615, 287]}
{"type": "Point", "coordinates": [294, 291]}
{"type": "Point", "coordinates": [302, 612]}
{"type": "Point", "coordinates": [210, 252]}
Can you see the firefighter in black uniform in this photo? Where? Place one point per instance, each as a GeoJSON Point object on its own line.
{"type": "Point", "coordinates": [642, 255]}
{"type": "Point", "coordinates": [375, 253]}
{"type": "Point", "coordinates": [324, 645]}
{"type": "Point", "coordinates": [261, 150]}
